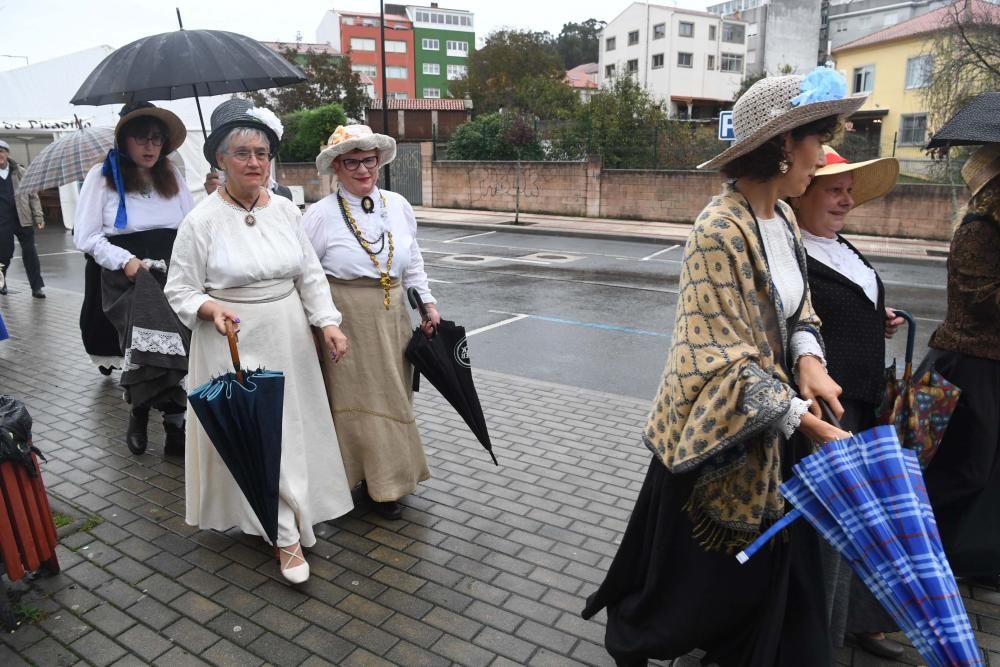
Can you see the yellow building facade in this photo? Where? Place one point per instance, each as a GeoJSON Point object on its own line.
{"type": "Point", "coordinates": [894, 75]}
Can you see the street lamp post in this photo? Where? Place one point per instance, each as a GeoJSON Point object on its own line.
{"type": "Point", "coordinates": [385, 86]}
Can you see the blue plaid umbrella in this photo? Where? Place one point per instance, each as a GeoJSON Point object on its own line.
{"type": "Point", "coordinates": [3, 330]}
{"type": "Point", "coordinates": [865, 495]}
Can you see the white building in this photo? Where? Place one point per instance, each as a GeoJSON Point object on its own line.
{"type": "Point", "coordinates": [782, 35]}
{"type": "Point", "coordinates": [693, 61]}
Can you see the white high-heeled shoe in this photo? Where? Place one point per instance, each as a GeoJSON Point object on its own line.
{"type": "Point", "coordinates": [295, 574]}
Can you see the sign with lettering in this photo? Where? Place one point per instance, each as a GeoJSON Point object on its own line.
{"type": "Point", "coordinates": [726, 132]}
{"type": "Point", "coordinates": [43, 124]}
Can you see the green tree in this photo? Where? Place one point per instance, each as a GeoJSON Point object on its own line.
{"type": "Point", "coordinates": [496, 136]}
{"type": "Point", "coordinates": [619, 123]}
{"type": "Point", "coordinates": [508, 58]}
{"type": "Point", "coordinates": [578, 43]}
{"type": "Point", "coordinates": [545, 98]}
{"type": "Point", "coordinates": [330, 80]}
{"type": "Point", "coordinates": [307, 131]}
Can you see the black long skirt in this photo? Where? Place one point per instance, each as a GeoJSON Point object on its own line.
{"type": "Point", "coordinates": [100, 338]}
{"type": "Point", "coordinates": [963, 478]}
{"type": "Point", "coordinates": [666, 596]}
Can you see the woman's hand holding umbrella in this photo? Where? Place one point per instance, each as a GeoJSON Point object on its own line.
{"type": "Point", "coordinates": [892, 322]}
{"type": "Point", "coordinates": [336, 342]}
{"type": "Point", "coordinates": [212, 311]}
{"type": "Point", "coordinates": [814, 382]}
{"type": "Point", "coordinates": [430, 319]}
{"type": "Point", "coordinates": [820, 431]}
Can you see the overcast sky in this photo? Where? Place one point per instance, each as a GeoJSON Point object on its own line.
{"type": "Point", "coordinates": [44, 29]}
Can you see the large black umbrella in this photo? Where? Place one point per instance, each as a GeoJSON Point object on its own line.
{"type": "Point", "coordinates": [186, 63]}
{"type": "Point", "coordinates": [978, 122]}
{"type": "Point", "coordinates": [444, 360]}
{"type": "Point", "coordinates": [241, 414]}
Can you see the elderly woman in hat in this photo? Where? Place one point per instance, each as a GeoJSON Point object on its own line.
{"type": "Point", "coordinates": [242, 257]}
{"type": "Point", "coordinates": [126, 221]}
{"type": "Point", "coordinates": [849, 298]}
{"type": "Point", "coordinates": [963, 479]}
{"type": "Point", "coordinates": [745, 363]}
{"type": "Point", "coordinates": [366, 239]}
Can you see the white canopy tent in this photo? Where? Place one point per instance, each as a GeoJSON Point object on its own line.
{"type": "Point", "coordinates": [35, 108]}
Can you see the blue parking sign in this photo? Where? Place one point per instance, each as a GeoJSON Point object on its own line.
{"type": "Point", "coordinates": [726, 132]}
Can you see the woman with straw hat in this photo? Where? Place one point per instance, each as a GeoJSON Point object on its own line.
{"type": "Point", "coordinates": [849, 298]}
{"type": "Point", "coordinates": [963, 478]}
{"type": "Point", "coordinates": [126, 221]}
{"type": "Point", "coordinates": [241, 256]}
{"type": "Point", "coordinates": [745, 362]}
{"type": "Point", "coordinates": [366, 239]}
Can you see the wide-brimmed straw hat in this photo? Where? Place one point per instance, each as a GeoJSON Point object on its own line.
{"type": "Point", "coordinates": [348, 138]}
{"type": "Point", "coordinates": [981, 168]}
{"type": "Point", "coordinates": [778, 104]}
{"type": "Point", "coordinates": [235, 113]}
{"type": "Point", "coordinates": [176, 133]}
{"type": "Point", "coordinates": [872, 178]}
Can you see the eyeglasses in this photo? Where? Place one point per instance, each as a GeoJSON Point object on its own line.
{"type": "Point", "coordinates": [351, 164]}
{"type": "Point", "coordinates": [244, 154]}
{"type": "Point", "coordinates": [155, 139]}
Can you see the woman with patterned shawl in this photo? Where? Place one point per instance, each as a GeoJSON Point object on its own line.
{"type": "Point", "coordinates": [745, 362]}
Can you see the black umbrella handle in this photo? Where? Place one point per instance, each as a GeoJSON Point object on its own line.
{"type": "Point", "coordinates": [828, 413]}
{"type": "Point", "coordinates": [911, 339]}
{"type": "Point", "coordinates": [416, 302]}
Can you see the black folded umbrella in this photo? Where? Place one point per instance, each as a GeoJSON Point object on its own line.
{"type": "Point", "coordinates": [978, 122]}
{"type": "Point", "coordinates": [241, 413]}
{"type": "Point", "coordinates": [444, 360]}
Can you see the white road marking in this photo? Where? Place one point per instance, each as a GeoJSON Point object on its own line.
{"type": "Point", "coordinates": [536, 250]}
{"type": "Point", "coordinates": [521, 260]}
{"type": "Point", "coordinates": [897, 283]}
{"type": "Point", "coordinates": [462, 238]}
{"type": "Point", "coordinates": [658, 252]}
{"type": "Point", "coordinates": [435, 280]}
{"type": "Point", "coordinates": [50, 254]}
{"type": "Point", "coordinates": [501, 323]}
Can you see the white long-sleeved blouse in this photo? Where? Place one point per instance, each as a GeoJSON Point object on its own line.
{"type": "Point", "coordinates": [98, 205]}
{"type": "Point", "coordinates": [343, 257]}
{"type": "Point", "coordinates": [215, 250]}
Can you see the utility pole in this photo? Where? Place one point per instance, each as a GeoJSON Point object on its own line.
{"type": "Point", "coordinates": [385, 86]}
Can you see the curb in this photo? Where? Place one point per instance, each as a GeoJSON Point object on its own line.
{"type": "Point", "coordinates": [530, 229]}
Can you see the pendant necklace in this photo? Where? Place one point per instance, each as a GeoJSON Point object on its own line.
{"type": "Point", "coordinates": [384, 281]}
{"type": "Point", "coordinates": [367, 204]}
{"type": "Point", "coordinates": [249, 219]}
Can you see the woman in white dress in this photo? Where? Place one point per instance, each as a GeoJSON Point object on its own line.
{"type": "Point", "coordinates": [366, 239]}
{"type": "Point", "coordinates": [242, 256]}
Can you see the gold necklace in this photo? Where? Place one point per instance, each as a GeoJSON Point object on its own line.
{"type": "Point", "coordinates": [384, 280]}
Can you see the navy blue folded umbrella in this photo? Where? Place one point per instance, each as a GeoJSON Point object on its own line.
{"type": "Point", "coordinates": [865, 495]}
{"type": "Point", "coordinates": [241, 413]}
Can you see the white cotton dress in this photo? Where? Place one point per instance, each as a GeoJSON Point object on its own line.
{"type": "Point", "coordinates": [269, 276]}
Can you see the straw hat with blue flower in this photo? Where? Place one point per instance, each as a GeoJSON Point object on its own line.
{"type": "Point", "coordinates": [778, 104]}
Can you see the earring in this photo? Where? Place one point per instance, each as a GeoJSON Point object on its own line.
{"type": "Point", "coordinates": [784, 166]}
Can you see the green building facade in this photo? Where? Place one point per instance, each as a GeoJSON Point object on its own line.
{"type": "Point", "coordinates": [443, 40]}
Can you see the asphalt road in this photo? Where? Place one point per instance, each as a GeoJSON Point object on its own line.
{"type": "Point", "coordinates": [595, 314]}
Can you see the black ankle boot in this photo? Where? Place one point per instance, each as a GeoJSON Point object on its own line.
{"type": "Point", "coordinates": [136, 437]}
{"type": "Point", "coordinates": [174, 440]}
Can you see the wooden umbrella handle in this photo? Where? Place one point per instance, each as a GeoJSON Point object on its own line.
{"type": "Point", "coordinates": [234, 351]}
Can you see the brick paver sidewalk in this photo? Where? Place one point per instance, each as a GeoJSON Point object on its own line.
{"type": "Point", "coordinates": [489, 565]}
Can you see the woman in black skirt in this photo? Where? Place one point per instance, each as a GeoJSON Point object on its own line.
{"type": "Point", "coordinates": [727, 422]}
{"type": "Point", "coordinates": [963, 479]}
{"type": "Point", "coordinates": [126, 221]}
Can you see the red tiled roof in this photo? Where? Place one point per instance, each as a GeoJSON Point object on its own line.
{"type": "Point", "coordinates": [920, 25]}
{"type": "Point", "coordinates": [315, 47]}
{"type": "Point", "coordinates": [582, 76]}
{"type": "Point", "coordinates": [449, 104]}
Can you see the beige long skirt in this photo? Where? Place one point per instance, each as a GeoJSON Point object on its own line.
{"type": "Point", "coordinates": [371, 392]}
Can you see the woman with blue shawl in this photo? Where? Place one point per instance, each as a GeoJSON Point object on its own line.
{"type": "Point", "coordinates": [126, 220]}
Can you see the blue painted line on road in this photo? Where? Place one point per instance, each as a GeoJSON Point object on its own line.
{"type": "Point", "coordinates": [591, 325]}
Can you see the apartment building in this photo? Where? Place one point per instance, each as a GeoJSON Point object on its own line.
{"type": "Point", "coordinates": [693, 61]}
{"type": "Point", "coordinates": [782, 35]}
{"type": "Point", "coordinates": [425, 47]}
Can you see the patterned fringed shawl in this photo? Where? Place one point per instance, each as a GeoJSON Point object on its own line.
{"type": "Point", "coordinates": [725, 387]}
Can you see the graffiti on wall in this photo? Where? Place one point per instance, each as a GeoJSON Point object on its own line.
{"type": "Point", "coordinates": [503, 182]}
